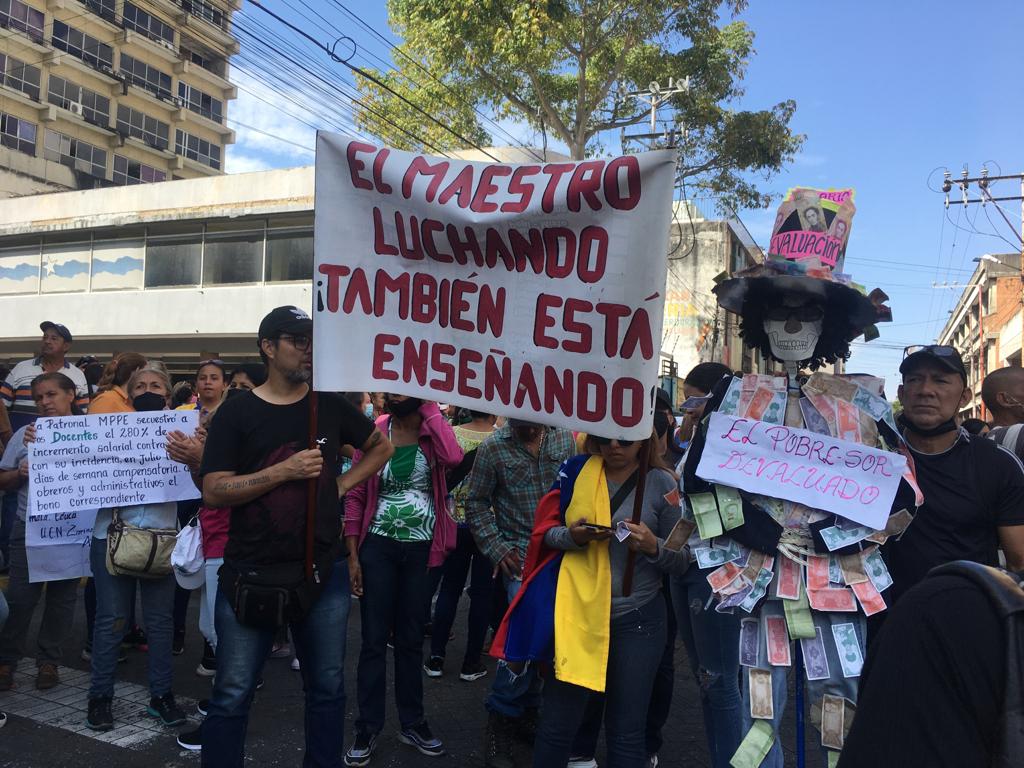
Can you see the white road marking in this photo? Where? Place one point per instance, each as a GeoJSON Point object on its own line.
{"type": "Point", "coordinates": [67, 706]}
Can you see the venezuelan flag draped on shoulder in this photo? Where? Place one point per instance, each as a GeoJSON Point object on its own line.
{"type": "Point", "coordinates": [561, 615]}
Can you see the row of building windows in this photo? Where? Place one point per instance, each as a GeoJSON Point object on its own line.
{"type": "Point", "coordinates": [21, 135]}
{"type": "Point", "coordinates": [182, 255]}
{"type": "Point", "coordinates": [147, 24]}
{"type": "Point", "coordinates": [18, 15]}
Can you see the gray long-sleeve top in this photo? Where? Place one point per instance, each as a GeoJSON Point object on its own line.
{"type": "Point", "coordinates": [660, 515]}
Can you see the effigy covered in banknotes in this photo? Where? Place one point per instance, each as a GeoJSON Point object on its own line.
{"type": "Point", "coordinates": [795, 481]}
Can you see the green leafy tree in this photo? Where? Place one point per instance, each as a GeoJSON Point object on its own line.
{"type": "Point", "coordinates": [566, 67]}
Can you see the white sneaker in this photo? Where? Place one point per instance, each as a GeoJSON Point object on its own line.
{"type": "Point", "coordinates": [295, 664]}
{"type": "Point", "coordinates": [652, 761]}
{"type": "Point", "coordinates": [581, 761]}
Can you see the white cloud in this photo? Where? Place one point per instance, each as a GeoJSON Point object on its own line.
{"type": "Point", "coordinates": [808, 160]}
{"type": "Point", "coordinates": [265, 135]}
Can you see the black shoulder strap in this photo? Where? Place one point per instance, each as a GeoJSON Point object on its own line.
{"type": "Point", "coordinates": [1006, 593]}
{"type": "Point", "coordinates": [624, 490]}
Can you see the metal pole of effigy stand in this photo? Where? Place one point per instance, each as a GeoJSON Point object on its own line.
{"type": "Point", "coordinates": [798, 669]}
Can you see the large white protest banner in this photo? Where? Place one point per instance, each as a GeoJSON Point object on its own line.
{"type": "Point", "coordinates": [818, 471]}
{"type": "Point", "coordinates": [534, 291]}
{"type": "Point", "coordinates": [107, 460]}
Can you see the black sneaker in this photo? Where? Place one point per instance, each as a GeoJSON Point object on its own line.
{"type": "Point", "coordinates": [472, 671]}
{"type": "Point", "coordinates": [361, 751]}
{"type": "Point", "coordinates": [203, 706]}
{"type": "Point", "coordinates": [434, 666]}
{"type": "Point", "coordinates": [178, 644]}
{"type": "Point", "coordinates": [100, 718]}
{"type": "Point", "coordinates": [166, 709]}
{"type": "Point", "coordinates": [208, 666]}
{"type": "Point", "coordinates": [191, 740]}
{"type": "Point", "coordinates": [419, 736]}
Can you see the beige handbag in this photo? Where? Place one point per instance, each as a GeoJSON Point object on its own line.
{"type": "Point", "coordinates": [143, 553]}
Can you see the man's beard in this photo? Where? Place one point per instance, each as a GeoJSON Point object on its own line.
{"type": "Point", "coordinates": [301, 375]}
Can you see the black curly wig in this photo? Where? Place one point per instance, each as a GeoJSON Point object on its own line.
{"type": "Point", "coordinates": [836, 330]}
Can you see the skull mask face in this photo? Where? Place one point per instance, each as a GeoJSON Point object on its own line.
{"type": "Point", "coordinates": [793, 327]}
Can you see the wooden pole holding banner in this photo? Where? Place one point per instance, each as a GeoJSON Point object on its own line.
{"type": "Point", "coordinates": [312, 486]}
{"type": "Point", "coordinates": [638, 506]}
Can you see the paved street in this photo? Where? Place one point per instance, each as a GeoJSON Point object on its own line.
{"type": "Point", "coordinates": [47, 728]}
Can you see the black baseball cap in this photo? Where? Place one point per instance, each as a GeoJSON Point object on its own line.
{"type": "Point", "coordinates": [941, 354]}
{"type": "Point", "coordinates": [61, 329]}
{"type": "Point", "coordinates": [287, 319]}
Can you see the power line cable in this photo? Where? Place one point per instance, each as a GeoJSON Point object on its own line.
{"type": "Point", "coordinates": [377, 81]}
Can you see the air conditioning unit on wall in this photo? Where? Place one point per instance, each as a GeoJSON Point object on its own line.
{"type": "Point", "coordinates": [75, 108]}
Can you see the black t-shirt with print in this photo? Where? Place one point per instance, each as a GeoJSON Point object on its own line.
{"type": "Point", "coordinates": [248, 434]}
{"type": "Point", "coordinates": [970, 491]}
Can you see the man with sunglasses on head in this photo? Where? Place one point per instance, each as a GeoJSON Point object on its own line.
{"type": "Point", "coordinates": [258, 462]}
{"type": "Point", "coordinates": [973, 488]}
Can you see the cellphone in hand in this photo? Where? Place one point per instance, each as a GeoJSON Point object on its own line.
{"type": "Point", "coordinates": [596, 527]}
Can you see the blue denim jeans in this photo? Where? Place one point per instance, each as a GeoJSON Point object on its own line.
{"type": "Point", "coordinates": [836, 684]}
{"type": "Point", "coordinates": [208, 601]}
{"type": "Point", "coordinates": [465, 560]}
{"type": "Point", "coordinates": [395, 585]}
{"type": "Point", "coordinates": [637, 642]}
{"type": "Point", "coordinates": [320, 645]}
{"type": "Point", "coordinates": [512, 693]}
{"type": "Point", "coordinates": [585, 743]}
{"type": "Point", "coordinates": [114, 595]}
{"type": "Point", "coordinates": [712, 645]}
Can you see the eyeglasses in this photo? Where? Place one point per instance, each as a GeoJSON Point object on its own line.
{"type": "Point", "coordinates": [602, 441]}
{"type": "Point", "coordinates": [939, 350]}
{"type": "Point", "coordinates": [805, 314]}
{"type": "Point", "coordinates": [301, 343]}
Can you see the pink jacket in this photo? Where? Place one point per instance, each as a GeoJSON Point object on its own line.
{"type": "Point", "coordinates": [438, 443]}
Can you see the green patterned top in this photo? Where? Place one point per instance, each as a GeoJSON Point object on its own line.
{"type": "Point", "coordinates": [405, 504]}
{"type": "Point", "coordinates": [469, 440]}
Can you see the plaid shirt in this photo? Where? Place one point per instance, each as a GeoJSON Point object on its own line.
{"type": "Point", "coordinates": [505, 486]}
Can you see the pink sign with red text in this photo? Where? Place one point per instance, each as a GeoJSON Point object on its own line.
{"type": "Point", "coordinates": [819, 471]}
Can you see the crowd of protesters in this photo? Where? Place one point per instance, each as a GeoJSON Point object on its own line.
{"type": "Point", "coordinates": [415, 501]}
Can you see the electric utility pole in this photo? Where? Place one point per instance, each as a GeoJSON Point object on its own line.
{"type": "Point", "coordinates": [985, 196]}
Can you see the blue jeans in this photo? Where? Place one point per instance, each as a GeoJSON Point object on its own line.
{"type": "Point", "coordinates": [465, 559]}
{"type": "Point", "coordinates": [637, 642]}
{"type": "Point", "coordinates": [241, 651]}
{"type": "Point", "coordinates": [511, 693]}
{"type": "Point", "coordinates": [836, 684]}
{"type": "Point", "coordinates": [585, 744]}
{"type": "Point", "coordinates": [4, 611]}
{"type": "Point", "coordinates": [712, 643]}
{"type": "Point", "coordinates": [114, 596]}
{"type": "Point", "coordinates": [395, 585]}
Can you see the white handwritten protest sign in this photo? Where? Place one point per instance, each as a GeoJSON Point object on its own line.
{"type": "Point", "coordinates": [71, 527]}
{"type": "Point", "coordinates": [531, 290]}
{"type": "Point", "coordinates": [819, 471]}
{"type": "Point", "coordinates": [62, 561]}
{"type": "Point", "coordinates": [107, 460]}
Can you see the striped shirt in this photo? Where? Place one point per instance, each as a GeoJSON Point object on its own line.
{"type": "Point", "coordinates": [1011, 438]}
{"type": "Point", "coordinates": [16, 391]}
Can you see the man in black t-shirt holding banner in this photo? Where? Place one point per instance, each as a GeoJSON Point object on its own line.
{"type": "Point", "coordinates": [257, 462]}
{"type": "Point", "coordinates": [973, 488]}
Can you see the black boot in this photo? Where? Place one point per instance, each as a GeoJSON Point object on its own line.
{"type": "Point", "coordinates": [498, 742]}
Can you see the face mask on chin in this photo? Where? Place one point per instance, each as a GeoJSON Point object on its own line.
{"type": "Point", "coordinates": [149, 401]}
{"type": "Point", "coordinates": [368, 410]}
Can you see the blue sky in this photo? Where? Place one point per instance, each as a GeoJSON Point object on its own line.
{"type": "Point", "coordinates": [886, 92]}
